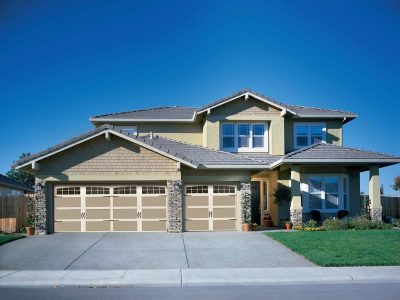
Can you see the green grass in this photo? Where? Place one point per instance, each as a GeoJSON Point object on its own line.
{"type": "Point", "coordinates": [6, 238]}
{"type": "Point", "coordinates": [344, 247]}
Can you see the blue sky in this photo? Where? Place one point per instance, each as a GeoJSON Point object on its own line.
{"type": "Point", "coordinates": [63, 61]}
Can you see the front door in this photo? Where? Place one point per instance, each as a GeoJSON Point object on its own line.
{"type": "Point", "coordinates": [255, 202]}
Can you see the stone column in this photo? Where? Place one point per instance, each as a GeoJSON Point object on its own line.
{"type": "Point", "coordinates": [296, 209]}
{"type": "Point", "coordinates": [175, 200]}
{"type": "Point", "coordinates": [375, 194]}
{"type": "Point", "coordinates": [245, 202]}
{"type": "Point", "coordinates": [41, 225]}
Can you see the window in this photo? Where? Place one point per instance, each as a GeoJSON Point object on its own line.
{"type": "Point", "coordinates": [228, 135]}
{"type": "Point", "coordinates": [224, 189]}
{"type": "Point", "coordinates": [73, 190]}
{"type": "Point", "coordinates": [97, 190]}
{"type": "Point", "coordinates": [153, 190]}
{"type": "Point", "coordinates": [325, 193]}
{"type": "Point", "coordinates": [129, 130]}
{"type": "Point", "coordinates": [197, 189]}
{"type": "Point", "coordinates": [307, 134]}
{"type": "Point", "coordinates": [244, 137]}
{"type": "Point", "coordinates": [125, 190]}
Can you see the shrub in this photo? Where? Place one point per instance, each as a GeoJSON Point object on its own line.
{"type": "Point", "coordinates": [310, 224]}
{"type": "Point", "coordinates": [359, 223]}
{"type": "Point", "coordinates": [334, 224]}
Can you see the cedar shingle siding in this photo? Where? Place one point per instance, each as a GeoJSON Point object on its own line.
{"type": "Point", "coordinates": [98, 157]}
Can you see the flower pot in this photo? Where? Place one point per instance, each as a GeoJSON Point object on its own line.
{"type": "Point", "coordinates": [288, 225]}
{"type": "Point", "coordinates": [246, 227]}
{"type": "Point", "coordinates": [30, 231]}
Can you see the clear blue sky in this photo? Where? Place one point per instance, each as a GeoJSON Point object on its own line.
{"type": "Point", "coordinates": [63, 61]}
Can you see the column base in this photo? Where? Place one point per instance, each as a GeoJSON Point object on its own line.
{"type": "Point", "coordinates": [376, 214]}
{"type": "Point", "coordinates": [296, 217]}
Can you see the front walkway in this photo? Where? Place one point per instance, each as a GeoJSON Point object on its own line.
{"type": "Point", "coordinates": [129, 251]}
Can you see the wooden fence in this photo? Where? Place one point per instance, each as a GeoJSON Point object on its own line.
{"type": "Point", "coordinates": [13, 213]}
{"type": "Point", "coordinates": [390, 205]}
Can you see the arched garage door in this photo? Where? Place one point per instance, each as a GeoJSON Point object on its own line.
{"type": "Point", "coordinates": [106, 208]}
{"type": "Point", "coordinates": [210, 208]}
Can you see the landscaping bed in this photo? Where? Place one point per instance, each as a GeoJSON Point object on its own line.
{"type": "Point", "coordinates": [344, 247]}
{"type": "Point", "coordinates": [6, 238]}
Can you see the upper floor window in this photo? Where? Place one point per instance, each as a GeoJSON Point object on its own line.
{"type": "Point", "coordinates": [244, 137]}
{"type": "Point", "coordinates": [130, 130]}
{"type": "Point", "coordinates": [308, 134]}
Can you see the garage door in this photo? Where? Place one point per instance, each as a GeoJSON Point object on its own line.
{"type": "Point", "coordinates": [210, 207]}
{"type": "Point", "coordinates": [110, 208]}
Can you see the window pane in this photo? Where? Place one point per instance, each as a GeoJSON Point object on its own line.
{"type": "Point", "coordinates": [301, 130]}
{"type": "Point", "coordinates": [315, 201]}
{"type": "Point", "coordinates": [244, 135]}
{"type": "Point", "coordinates": [331, 201]}
{"type": "Point", "coordinates": [314, 184]}
{"type": "Point", "coordinates": [317, 130]}
{"type": "Point", "coordinates": [331, 185]}
{"type": "Point", "coordinates": [228, 142]}
{"type": "Point", "coordinates": [316, 139]}
{"type": "Point", "coordinates": [302, 141]}
{"type": "Point", "coordinates": [258, 141]}
{"type": "Point", "coordinates": [228, 129]}
{"type": "Point", "coordinates": [258, 129]}
{"type": "Point", "coordinates": [243, 141]}
{"type": "Point", "coordinates": [244, 129]}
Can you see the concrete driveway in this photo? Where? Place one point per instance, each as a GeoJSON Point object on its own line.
{"type": "Point", "coordinates": [116, 251]}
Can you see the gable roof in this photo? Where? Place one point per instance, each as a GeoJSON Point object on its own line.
{"type": "Point", "coordinates": [188, 114]}
{"type": "Point", "coordinates": [7, 181]}
{"type": "Point", "coordinates": [328, 153]}
{"type": "Point", "coordinates": [190, 155]}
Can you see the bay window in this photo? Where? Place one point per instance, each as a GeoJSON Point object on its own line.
{"type": "Point", "coordinates": [326, 193]}
{"type": "Point", "coordinates": [244, 137]}
{"type": "Point", "coordinates": [306, 134]}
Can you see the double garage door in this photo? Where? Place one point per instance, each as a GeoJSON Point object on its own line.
{"type": "Point", "coordinates": [110, 208]}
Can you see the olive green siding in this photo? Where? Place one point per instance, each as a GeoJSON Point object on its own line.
{"type": "Point", "coordinates": [116, 159]}
{"type": "Point", "coordinates": [333, 131]}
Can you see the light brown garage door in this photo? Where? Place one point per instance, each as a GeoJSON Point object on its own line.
{"type": "Point", "coordinates": [210, 207]}
{"type": "Point", "coordinates": [110, 208]}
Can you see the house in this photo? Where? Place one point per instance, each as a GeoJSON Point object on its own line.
{"type": "Point", "coordinates": [191, 169]}
{"type": "Point", "coordinates": [12, 188]}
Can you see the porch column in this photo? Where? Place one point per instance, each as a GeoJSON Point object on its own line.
{"type": "Point", "coordinates": [296, 209]}
{"type": "Point", "coordinates": [41, 195]}
{"type": "Point", "coordinates": [375, 194]}
{"type": "Point", "coordinates": [175, 199]}
{"type": "Point", "coordinates": [245, 203]}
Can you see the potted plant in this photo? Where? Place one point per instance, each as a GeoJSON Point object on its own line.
{"type": "Point", "coordinates": [30, 228]}
{"type": "Point", "coordinates": [288, 225]}
{"type": "Point", "coordinates": [268, 220]}
{"type": "Point", "coordinates": [282, 194]}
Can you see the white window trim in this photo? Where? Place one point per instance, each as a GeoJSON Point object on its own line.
{"type": "Point", "coordinates": [236, 135]}
{"type": "Point", "coordinates": [305, 189]}
{"type": "Point", "coordinates": [308, 124]}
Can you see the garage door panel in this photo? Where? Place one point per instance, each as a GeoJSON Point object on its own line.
{"type": "Point", "coordinates": [125, 201]}
{"type": "Point", "coordinates": [224, 200]}
{"type": "Point", "coordinates": [125, 213]}
{"type": "Point", "coordinates": [67, 214]}
{"type": "Point", "coordinates": [97, 214]}
{"type": "Point", "coordinates": [154, 225]}
{"type": "Point", "coordinates": [224, 224]}
{"type": "Point", "coordinates": [193, 225]}
{"type": "Point", "coordinates": [67, 201]}
{"type": "Point", "coordinates": [159, 213]}
{"type": "Point", "coordinates": [196, 200]}
{"type": "Point", "coordinates": [125, 226]}
{"type": "Point", "coordinates": [154, 201]}
{"type": "Point", "coordinates": [224, 212]}
{"type": "Point", "coordinates": [67, 226]}
{"type": "Point", "coordinates": [196, 213]}
{"type": "Point", "coordinates": [98, 226]}
{"type": "Point", "coordinates": [97, 201]}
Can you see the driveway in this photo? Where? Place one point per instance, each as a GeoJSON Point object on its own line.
{"type": "Point", "coordinates": [114, 251]}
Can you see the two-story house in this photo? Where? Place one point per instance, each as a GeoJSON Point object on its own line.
{"type": "Point", "coordinates": [191, 169]}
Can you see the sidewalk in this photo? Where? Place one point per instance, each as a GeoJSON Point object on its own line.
{"type": "Point", "coordinates": [197, 277]}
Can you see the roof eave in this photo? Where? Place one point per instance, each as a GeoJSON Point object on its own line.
{"type": "Point", "coordinates": [243, 167]}
{"type": "Point", "coordinates": [352, 161]}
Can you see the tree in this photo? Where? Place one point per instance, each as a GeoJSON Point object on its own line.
{"type": "Point", "coordinates": [22, 176]}
{"type": "Point", "coordinates": [396, 183]}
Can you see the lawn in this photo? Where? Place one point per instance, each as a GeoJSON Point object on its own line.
{"type": "Point", "coordinates": [344, 247]}
{"type": "Point", "coordinates": [6, 238]}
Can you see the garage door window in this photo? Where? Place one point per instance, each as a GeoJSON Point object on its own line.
{"type": "Point", "coordinates": [97, 190]}
{"type": "Point", "coordinates": [197, 189]}
{"type": "Point", "coordinates": [224, 189]}
{"type": "Point", "coordinates": [73, 190]}
{"type": "Point", "coordinates": [123, 190]}
{"type": "Point", "coordinates": [153, 190]}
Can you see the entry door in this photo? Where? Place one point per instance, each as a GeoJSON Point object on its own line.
{"type": "Point", "coordinates": [255, 202]}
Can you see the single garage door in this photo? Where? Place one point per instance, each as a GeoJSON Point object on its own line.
{"type": "Point", "coordinates": [110, 208]}
{"type": "Point", "coordinates": [210, 207]}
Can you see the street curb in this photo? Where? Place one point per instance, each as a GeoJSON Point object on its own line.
{"type": "Point", "coordinates": [197, 277]}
